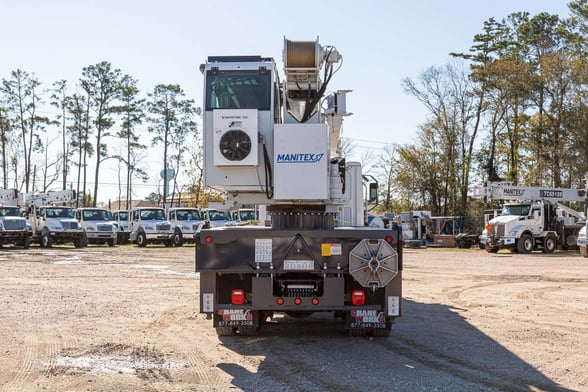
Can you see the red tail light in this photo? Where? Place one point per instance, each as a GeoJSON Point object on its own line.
{"type": "Point", "coordinates": [315, 301]}
{"type": "Point", "coordinates": [358, 297]}
{"type": "Point", "coordinates": [208, 239]}
{"type": "Point", "coordinates": [388, 239]}
{"type": "Point", "coordinates": [237, 297]}
{"type": "Point", "coordinates": [297, 301]}
{"type": "Point", "coordinates": [280, 301]}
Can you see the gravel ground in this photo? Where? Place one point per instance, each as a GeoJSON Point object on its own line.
{"type": "Point", "coordinates": [126, 319]}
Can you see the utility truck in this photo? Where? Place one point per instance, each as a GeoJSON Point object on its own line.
{"type": "Point", "coordinates": [185, 222]}
{"type": "Point", "coordinates": [532, 219]}
{"type": "Point", "coordinates": [244, 216]}
{"type": "Point", "coordinates": [98, 224]}
{"type": "Point", "coordinates": [121, 218]}
{"type": "Point", "coordinates": [215, 218]}
{"type": "Point", "coordinates": [149, 225]}
{"type": "Point", "coordinates": [51, 221]}
{"type": "Point", "coordinates": [274, 143]}
{"type": "Point", "coordinates": [583, 240]}
{"type": "Point", "coordinates": [13, 228]}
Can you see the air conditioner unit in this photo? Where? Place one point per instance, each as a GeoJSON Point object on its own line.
{"type": "Point", "coordinates": [235, 137]}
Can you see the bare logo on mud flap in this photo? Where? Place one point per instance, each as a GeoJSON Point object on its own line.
{"type": "Point", "coordinates": [368, 316]}
{"type": "Point", "coordinates": [235, 314]}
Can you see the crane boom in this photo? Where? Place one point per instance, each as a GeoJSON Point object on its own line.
{"type": "Point", "coordinates": [507, 191]}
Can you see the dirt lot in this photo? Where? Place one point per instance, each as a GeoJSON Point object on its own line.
{"type": "Point", "coordinates": [124, 318]}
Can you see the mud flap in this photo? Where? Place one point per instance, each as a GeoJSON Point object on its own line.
{"type": "Point", "coordinates": [236, 318]}
{"type": "Point", "coordinates": [367, 319]}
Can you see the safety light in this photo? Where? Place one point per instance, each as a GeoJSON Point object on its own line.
{"type": "Point", "coordinates": [358, 297]}
{"type": "Point", "coordinates": [237, 297]}
{"type": "Point", "coordinates": [297, 301]}
{"type": "Point", "coordinates": [489, 228]}
{"type": "Point", "coordinates": [208, 239]}
{"type": "Point", "coordinates": [388, 239]}
{"type": "Point", "coordinates": [280, 301]}
{"type": "Point", "coordinates": [315, 301]}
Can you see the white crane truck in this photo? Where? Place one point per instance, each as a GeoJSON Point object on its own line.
{"type": "Point", "coordinates": [51, 221]}
{"type": "Point", "coordinates": [13, 228]}
{"type": "Point", "coordinates": [277, 144]}
{"type": "Point", "coordinates": [532, 219]}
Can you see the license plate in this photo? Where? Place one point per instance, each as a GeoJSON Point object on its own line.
{"type": "Point", "coordinates": [299, 265]}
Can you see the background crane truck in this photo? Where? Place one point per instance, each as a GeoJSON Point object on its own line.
{"type": "Point", "coordinates": [148, 225]}
{"type": "Point", "coordinates": [98, 224]}
{"type": "Point", "coordinates": [13, 228]}
{"type": "Point", "coordinates": [533, 219]}
{"type": "Point", "coordinates": [583, 240]}
{"type": "Point", "coordinates": [277, 144]}
{"type": "Point", "coordinates": [51, 221]}
{"type": "Point", "coordinates": [185, 222]}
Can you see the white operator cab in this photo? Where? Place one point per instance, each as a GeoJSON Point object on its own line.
{"type": "Point", "coordinates": [238, 121]}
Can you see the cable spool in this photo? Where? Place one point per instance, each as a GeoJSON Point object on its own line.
{"type": "Point", "coordinates": [301, 54]}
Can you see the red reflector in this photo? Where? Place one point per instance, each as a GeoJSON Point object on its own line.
{"type": "Point", "coordinates": [358, 297]}
{"type": "Point", "coordinates": [237, 297]}
{"type": "Point", "coordinates": [297, 301]}
{"type": "Point", "coordinates": [208, 239]}
{"type": "Point", "coordinates": [315, 301]}
{"type": "Point", "coordinates": [388, 239]}
{"type": "Point", "coordinates": [280, 301]}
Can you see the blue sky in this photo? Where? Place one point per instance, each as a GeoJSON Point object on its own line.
{"type": "Point", "coordinates": [382, 42]}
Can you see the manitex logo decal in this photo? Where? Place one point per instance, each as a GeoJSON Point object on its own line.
{"type": "Point", "coordinates": [513, 192]}
{"type": "Point", "coordinates": [300, 158]}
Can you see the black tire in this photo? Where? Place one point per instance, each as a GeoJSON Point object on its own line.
{"type": "Point", "coordinates": [169, 243]}
{"type": "Point", "coordinates": [525, 244]}
{"type": "Point", "coordinates": [178, 238]}
{"type": "Point", "coordinates": [549, 243]}
{"type": "Point", "coordinates": [26, 243]}
{"type": "Point", "coordinates": [141, 240]}
{"type": "Point", "coordinates": [46, 241]}
{"type": "Point", "coordinates": [78, 242]}
{"type": "Point", "coordinates": [490, 249]}
{"type": "Point", "coordinates": [111, 243]}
